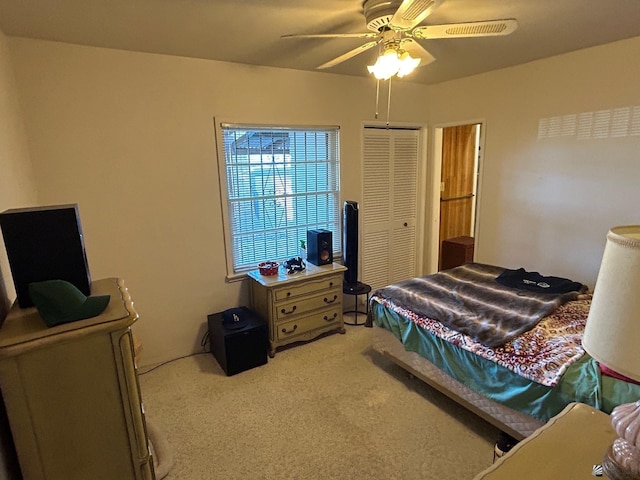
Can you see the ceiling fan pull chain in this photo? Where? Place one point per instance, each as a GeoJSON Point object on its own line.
{"type": "Point", "coordinates": [388, 101]}
{"type": "Point", "coordinates": [377, 96]}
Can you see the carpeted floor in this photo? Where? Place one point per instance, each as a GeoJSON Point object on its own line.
{"type": "Point", "coordinates": [328, 409]}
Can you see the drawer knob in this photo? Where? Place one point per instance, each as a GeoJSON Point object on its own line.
{"type": "Point", "coordinates": [329, 319]}
{"type": "Point", "coordinates": [293, 309]}
{"type": "Point", "coordinates": [331, 284]}
{"type": "Point", "coordinates": [326, 300]}
{"type": "Point", "coordinates": [288, 294]}
{"type": "Point", "coordinates": [295, 327]}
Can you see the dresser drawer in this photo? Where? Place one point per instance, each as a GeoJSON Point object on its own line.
{"type": "Point", "coordinates": [308, 287]}
{"type": "Point", "coordinates": [303, 305]}
{"type": "Point", "coordinates": [300, 325]}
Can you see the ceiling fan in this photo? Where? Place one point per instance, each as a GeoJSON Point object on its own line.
{"type": "Point", "coordinates": [393, 26]}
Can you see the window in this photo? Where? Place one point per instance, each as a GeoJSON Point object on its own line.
{"type": "Point", "coordinates": [278, 182]}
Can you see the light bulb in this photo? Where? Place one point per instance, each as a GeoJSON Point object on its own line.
{"type": "Point", "coordinates": [407, 64]}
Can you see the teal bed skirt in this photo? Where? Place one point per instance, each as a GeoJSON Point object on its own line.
{"type": "Point", "coordinates": [582, 382]}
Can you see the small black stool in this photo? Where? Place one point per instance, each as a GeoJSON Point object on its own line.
{"type": "Point", "coordinates": [356, 289]}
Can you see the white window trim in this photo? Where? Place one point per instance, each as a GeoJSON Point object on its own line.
{"type": "Point", "coordinates": [231, 275]}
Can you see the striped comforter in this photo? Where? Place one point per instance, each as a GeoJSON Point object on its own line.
{"type": "Point", "coordinates": [468, 299]}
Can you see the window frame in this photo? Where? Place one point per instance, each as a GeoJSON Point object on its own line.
{"type": "Point", "coordinates": [231, 273]}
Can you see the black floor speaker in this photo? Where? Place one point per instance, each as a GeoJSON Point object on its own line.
{"type": "Point", "coordinates": [319, 247]}
{"type": "Point", "coordinates": [45, 243]}
{"type": "Point", "coordinates": [237, 350]}
{"type": "Point", "coordinates": [350, 242]}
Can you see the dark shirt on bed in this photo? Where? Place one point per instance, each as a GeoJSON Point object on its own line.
{"type": "Point", "coordinates": [534, 282]}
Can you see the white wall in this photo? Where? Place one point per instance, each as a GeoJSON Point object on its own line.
{"type": "Point", "coordinates": [130, 138]}
{"type": "Point", "coordinates": [546, 204]}
{"type": "Point", "coordinates": [17, 183]}
{"type": "Point", "coordinates": [17, 189]}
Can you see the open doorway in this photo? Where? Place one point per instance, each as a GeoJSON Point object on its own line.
{"type": "Point", "coordinates": [455, 179]}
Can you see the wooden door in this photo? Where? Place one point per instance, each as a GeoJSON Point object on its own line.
{"type": "Point", "coordinates": [458, 182]}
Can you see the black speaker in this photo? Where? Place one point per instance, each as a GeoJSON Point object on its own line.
{"type": "Point", "coordinates": [319, 247]}
{"type": "Point", "coordinates": [350, 242]}
{"type": "Point", "coordinates": [237, 350]}
{"type": "Point", "coordinates": [45, 243]}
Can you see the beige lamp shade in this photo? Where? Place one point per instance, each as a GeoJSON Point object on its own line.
{"type": "Point", "coordinates": [612, 334]}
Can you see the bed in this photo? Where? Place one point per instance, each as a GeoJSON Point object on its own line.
{"type": "Point", "coordinates": [512, 356]}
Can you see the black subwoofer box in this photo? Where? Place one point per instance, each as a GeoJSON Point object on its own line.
{"type": "Point", "coordinates": [319, 247]}
{"type": "Point", "coordinates": [240, 349]}
{"type": "Point", "coordinates": [45, 243]}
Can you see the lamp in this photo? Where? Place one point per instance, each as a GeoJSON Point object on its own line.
{"type": "Point", "coordinates": [393, 61]}
{"type": "Point", "coordinates": [612, 337]}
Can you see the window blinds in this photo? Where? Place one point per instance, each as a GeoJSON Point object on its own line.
{"type": "Point", "coordinates": [279, 182]}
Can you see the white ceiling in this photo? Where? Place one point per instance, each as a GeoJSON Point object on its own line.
{"type": "Point", "coordinates": [248, 31]}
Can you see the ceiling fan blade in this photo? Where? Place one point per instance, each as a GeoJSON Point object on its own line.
{"type": "Point", "coordinates": [417, 51]}
{"type": "Point", "coordinates": [412, 12]}
{"type": "Point", "coordinates": [348, 55]}
{"type": "Point", "coordinates": [462, 30]}
{"type": "Point", "coordinates": [332, 35]}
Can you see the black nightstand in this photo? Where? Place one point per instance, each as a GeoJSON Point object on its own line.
{"type": "Point", "coordinates": [238, 349]}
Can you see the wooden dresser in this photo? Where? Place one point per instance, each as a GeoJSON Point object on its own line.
{"type": "Point", "coordinates": [456, 251]}
{"type": "Point", "coordinates": [300, 306]}
{"type": "Point", "coordinates": [72, 394]}
{"type": "Point", "coordinates": [567, 447]}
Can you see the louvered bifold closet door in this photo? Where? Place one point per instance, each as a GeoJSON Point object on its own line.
{"type": "Point", "coordinates": [389, 207]}
{"type": "Point", "coordinates": [376, 208]}
{"type": "Point", "coordinates": [405, 205]}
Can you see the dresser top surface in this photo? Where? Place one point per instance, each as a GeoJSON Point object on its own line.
{"type": "Point", "coordinates": [24, 328]}
{"type": "Point", "coordinates": [566, 447]}
{"type": "Point", "coordinates": [283, 277]}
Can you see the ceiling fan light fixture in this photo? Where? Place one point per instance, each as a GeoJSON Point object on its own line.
{"type": "Point", "coordinates": [386, 65]}
{"type": "Point", "coordinates": [393, 61]}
